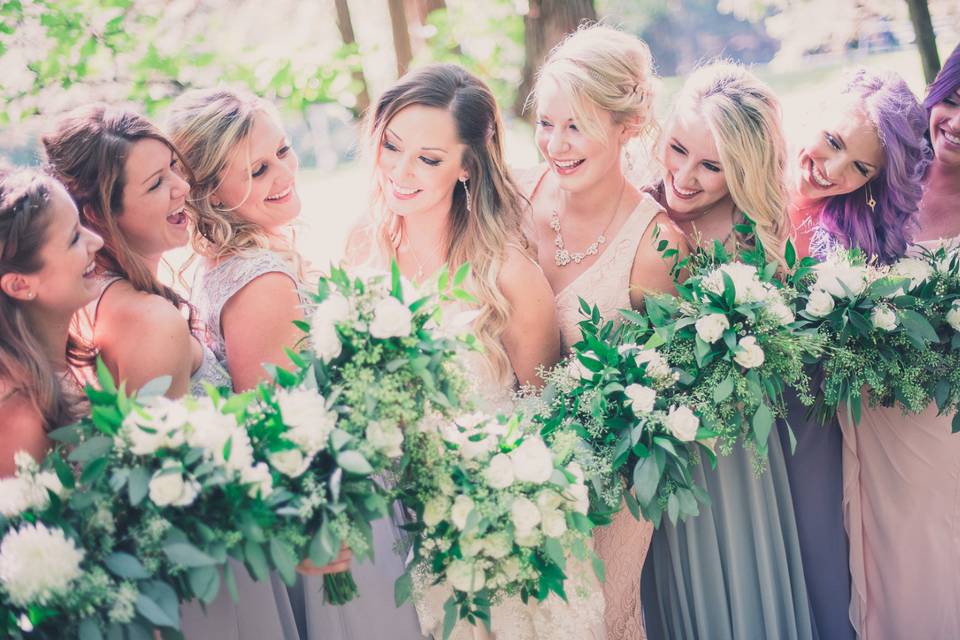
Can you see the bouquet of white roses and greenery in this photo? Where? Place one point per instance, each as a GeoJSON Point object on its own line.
{"type": "Point", "coordinates": [377, 361]}
{"type": "Point", "coordinates": [498, 514]}
{"type": "Point", "coordinates": [874, 321]}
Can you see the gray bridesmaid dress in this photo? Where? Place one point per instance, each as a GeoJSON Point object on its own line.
{"type": "Point", "coordinates": [373, 614]}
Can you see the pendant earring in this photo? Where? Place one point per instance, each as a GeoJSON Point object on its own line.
{"type": "Point", "coordinates": [870, 200]}
{"type": "Point", "coordinates": [629, 158]}
{"type": "Point", "coordinates": [466, 191]}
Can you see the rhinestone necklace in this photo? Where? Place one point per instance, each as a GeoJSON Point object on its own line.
{"type": "Point", "coordinates": [563, 257]}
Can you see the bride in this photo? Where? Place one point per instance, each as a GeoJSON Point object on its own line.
{"type": "Point", "coordinates": [442, 196]}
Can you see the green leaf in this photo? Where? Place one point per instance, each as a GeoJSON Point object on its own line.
{"type": "Point", "coordinates": [137, 485]}
{"type": "Point", "coordinates": [256, 560]}
{"type": "Point", "coordinates": [185, 554]}
{"type": "Point", "coordinates": [205, 583]}
{"type": "Point", "coordinates": [396, 288]}
{"type": "Point", "coordinates": [646, 477]}
{"type": "Point", "coordinates": [762, 425]}
{"type": "Point", "coordinates": [150, 610]}
{"type": "Point", "coordinates": [104, 377]}
{"type": "Point", "coordinates": [790, 254]}
{"type": "Point", "coordinates": [598, 569]}
{"type": "Point", "coordinates": [155, 388]}
{"type": "Point", "coordinates": [723, 390]}
{"type": "Point", "coordinates": [354, 462]}
{"type": "Point", "coordinates": [284, 559]}
{"type": "Point", "coordinates": [450, 617]}
{"type": "Point", "coordinates": [124, 565]}
{"type": "Point", "coordinates": [918, 326]}
{"type": "Point", "coordinates": [231, 581]}
{"type": "Point", "coordinates": [402, 589]}
{"type": "Point", "coordinates": [555, 552]}
{"type": "Point", "coordinates": [461, 275]}
{"type": "Point", "coordinates": [93, 448]}
{"type": "Point", "coordinates": [90, 630]}
{"type": "Point", "coordinates": [673, 508]}
{"type": "Point", "coordinates": [955, 424]}
{"type": "Point", "coordinates": [93, 471]}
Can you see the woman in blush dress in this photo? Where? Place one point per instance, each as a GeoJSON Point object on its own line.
{"type": "Point", "coordinates": [127, 180]}
{"type": "Point", "coordinates": [46, 276]}
{"type": "Point", "coordinates": [593, 95]}
{"type": "Point", "coordinates": [243, 200]}
{"type": "Point", "coordinates": [902, 472]}
{"type": "Point", "coordinates": [734, 571]}
{"type": "Point", "coordinates": [864, 147]}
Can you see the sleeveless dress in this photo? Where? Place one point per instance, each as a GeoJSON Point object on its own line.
{"type": "Point", "coordinates": [901, 507]}
{"type": "Point", "coordinates": [263, 609]}
{"type": "Point", "coordinates": [623, 544]}
{"type": "Point", "coordinates": [372, 614]}
{"type": "Point", "coordinates": [734, 572]}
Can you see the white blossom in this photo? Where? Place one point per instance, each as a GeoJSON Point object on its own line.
{"type": "Point", "coordinates": [746, 282]}
{"type": "Point", "coordinates": [532, 461]}
{"type": "Point", "coordinates": [710, 327]}
{"type": "Point", "coordinates": [524, 514]}
{"type": "Point", "coordinates": [953, 316]}
{"type": "Point", "coordinates": [837, 276]}
{"type": "Point", "coordinates": [819, 304]}
{"type": "Point", "coordinates": [37, 564]}
{"type": "Point", "coordinates": [391, 319]}
{"type": "Point", "coordinates": [290, 462]}
{"type": "Point", "coordinates": [170, 488]}
{"type": "Point", "coordinates": [497, 545]}
{"type": "Point", "coordinates": [640, 398]}
{"type": "Point", "coordinates": [683, 423]}
{"type": "Point", "coordinates": [883, 318]}
{"type": "Point", "coordinates": [436, 510]}
{"type": "Point", "coordinates": [781, 312]}
{"type": "Point", "coordinates": [465, 576]}
{"type": "Point", "coordinates": [916, 270]}
{"type": "Point", "coordinates": [462, 507]}
{"type": "Point", "coordinates": [306, 415]}
{"type": "Point", "coordinates": [499, 472]}
{"type": "Point", "coordinates": [750, 355]}
{"type": "Point", "coordinates": [259, 480]}
{"type": "Point", "coordinates": [386, 437]}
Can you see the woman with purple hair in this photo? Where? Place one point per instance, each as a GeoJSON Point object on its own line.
{"type": "Point", "coordinates": [902, 472]}
{"type": "Point", "coordinates": [858, 184]}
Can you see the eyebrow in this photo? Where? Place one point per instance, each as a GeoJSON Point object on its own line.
{"type": "Point", "coordinates": [160, 170]}
{"type": "Point", "coordinates": [283, 140]}
{"type": "Point", "coordinates": [394, 134]}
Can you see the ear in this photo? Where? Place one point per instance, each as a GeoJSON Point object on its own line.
{"type": "Point", "coordinates": [18, 286]}
{"type": "Point", "coordinates": [464, 177]}
{"type": "Point", "coordinates": [631, 128]}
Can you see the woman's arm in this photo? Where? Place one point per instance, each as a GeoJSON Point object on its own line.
{"type": "Point", "coordinates": [22, 431]}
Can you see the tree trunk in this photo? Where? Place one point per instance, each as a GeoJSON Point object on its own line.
{"type": "Point", "coordinates": [424, 7]}
{"type": "Point", "coordinates": [926, 40]}
{"type": "Point", "coordinates": [545, 25]}
{"type": "Point", "coordinates": [401, 35]}
{"type": "Point", "coordinates": [345, 25]}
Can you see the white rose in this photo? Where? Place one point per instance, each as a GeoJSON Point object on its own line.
{"type": "Point", "coordinates": [470, 546]}
{"type": "Point", "coordinates": [579, 496]}
{"type": "Point", "coordinates": [532, 461]}
{"type": "Point", "coordinates": [657, 366]}
{"type": "Point", "coordinates": [710, 328]}
{"type": "Point", "coordinates": [16, 496]}
{"type": "Point", "coordinates": [472, 447]}
{"type": "Point", "coordinates": [37, 564]}
{"type": "Point", "coordinates": [682, 422]}
{"type": "Point", "coordinates": [953, 316]}
{"type": "Point", "coordinates": [335, 309]}
{"type": "Point", "coordinates": [465, 576]}
{"type": "Point", "coordinates": [746, 282]}
{"type": "Point", "coordinates": [781, 312]}
{"type": "Point", "coordinates": [386, 437]}
{"type": "Point", "coordinates": [640, 398]}
{"type": "Point", "coordinates": [325, 341]}
{"type": "Point", "coordinates": [820, 303]}
{"type": "Point", "coordinates": [524, 514]}
{"type": "Point", "coordinates": [462, 507]}
{"type": "Point", "coordinates": [169, 488]}
{"type": "Point", "coordinates": [259, 480]}
{"type": "Point", "coordinates": [511, 568]}
{"type": "Point", "coordinates": [290, 462]}
{"type": "Point", "coordinates": [883, 318]}
{"type": "Point", "coordinates": [554, 523]}
{"type": "Point", "coordinates": [157, 424]}
{"type": "Point", "coordinates": [435, 511]}
{"type": "Point", "coordinates": [499, 473]}
{"type": "Point", "coordinates": [305, 412]}
{"type": "Point", "coordinates": [529, 538]}
{"type": "Point", "coordinates": [750, 355]}
{"type": "Point", "coordinates": [834, 275]}
{"type": "Point", "coordinates": [497, 545]}
{"type": "Point", "coordinates": [915, 269]}
{"type": "Point", "coordinates": [391, 319]}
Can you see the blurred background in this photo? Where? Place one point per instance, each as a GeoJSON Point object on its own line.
{"type": "Point", "coordinates": [322, 61]}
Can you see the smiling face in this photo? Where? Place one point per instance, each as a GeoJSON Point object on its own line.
{"type": "Point", "coordinates": [578, 161]}
{"type": "Point", "coordinates": [694, 180]}
{"type": "Point", "coordinates": [841, 156]}
{"type": "Point", "coordinates": [260, 181]}
{"type": "Point", "coordinates": [945, 129]}
{"type": "Point", "coordinates": [420, 161]}
{"type": "Point", "coordinates": [152, 216]}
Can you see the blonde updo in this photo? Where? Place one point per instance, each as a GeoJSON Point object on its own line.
{"type": "Point", "coordinates": [601, 67]}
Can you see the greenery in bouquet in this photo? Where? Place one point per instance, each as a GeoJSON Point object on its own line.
{"type": "Point", "coordinates": [875, 322]}
{"type": "Point", "coordinates": [498, 514]}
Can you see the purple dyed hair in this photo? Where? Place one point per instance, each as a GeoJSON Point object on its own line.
{"type": "Point", "coordinates": [884, 232]}
{"type": "Point", "coordinates": [946, 82]}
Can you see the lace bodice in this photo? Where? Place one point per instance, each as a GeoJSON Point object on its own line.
{"type": "Point", "coordinates": [216, 285]}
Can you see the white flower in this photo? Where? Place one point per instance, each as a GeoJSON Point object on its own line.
{"type": "Point", "coordinates": [820, 303]}
{"type": "Point", "coordinates": [465, 576]}
{"type": "Point", "coordinates": [532, 461]}
{"type": "Point", "coordinates": [836, 273]}
{"type": "Point", "coordinates": [579, 496]}
{"type": "Point", "coordinates": [170, 488]}
{"type": "Point", "coordinates": [470, 546]}
{"type": "Point", "coordinates": [915, 269]}
{"type": "Point", "coordinates": [953, 316]}
{"type": "Point", "coordinates": [335, 309]}
{"type": "Point", "coordinates": [210, 430]}
{"type": "Point", "coordinates": [497, 545]}
{"type": "Point", "coordinates": [657, 366]}
{"type": "Point", "coordinates": [578, 371]}
{"type": "Point", "coordinates": [883, 318]}
{"type": "Point", "coordinates": [290, 462]}
{"type": "Point", "coordinates": [750, 355]}
{"type": "Point", "coordinates": [710, 328]}
{"type": "Point", "coordinates": [17, 495]}
{"type": "Point", "coordinates": [499, 472]}
{"type": "Point", "coordinates": [477, 444]}
{"type": "Point", "coordinates": [553, 520]}
{"type": "Point", "coordinates": [746, 282]}
{"type": "Point", "coordinates": [529, 538]}
{"type": "Point", "coordinates": [37, 564]}
{"type": "Point", "coordinates": [305, 412]}
{"type": "Point", "coordinates": [386, 437]}
{"type": "Point", "coordinates": [462, 507]}
{"type": "Point", "coordinates": [325, 341]}
{"type": "Point", "coordinates": [435, 511]}
{"type": "Point", "coordinates": [640, 398]}
{"type": "Point", "coordinates": [682, 422]}
{"type": "Point", "coordinates": [259, 478]}
{"type": "Point", "coordinates": [391, 319]}
{"type": "Point", "coordinates": [781, 312]}
{"type": "Point", "coordinates": [157, 424]}
{"type": "Point", "coordinates": [524, 514]}
{"type": "Point", "coordinates": [511, 568]}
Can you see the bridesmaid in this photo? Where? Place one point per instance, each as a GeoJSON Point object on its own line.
{"type": "Point", "coordinates": [46, 275]}
{"type": "Point", "coordinates": [595, 232]}
{"type": "Point", "coordinates": [902, 472]}
{"type": "Point", "coordinates": [865, 147]}
{"type": "Point", "coordinates": [442, 196]}
{"type": "Point", "coordinates": [243, 200]}
{"type": "Point", "coordinates": [126, 179]}
{"type": "Point", "coordinates": [734, 571]}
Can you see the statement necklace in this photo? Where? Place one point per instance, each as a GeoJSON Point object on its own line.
{"type": "Point", "coordinates": [563, 257]}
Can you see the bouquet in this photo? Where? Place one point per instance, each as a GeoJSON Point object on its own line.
{"type": "Point", "coordinates": [497, 512]}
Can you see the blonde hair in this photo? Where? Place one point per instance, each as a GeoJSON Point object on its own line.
{"type": "Point", "coordinates": [208, 126]}
{"type": "Point", "coordinates": [743, 116]}
{"type": "Point", "coordinates": [482, 230]}
{"type": "Point", "coordinates": [601, 67]}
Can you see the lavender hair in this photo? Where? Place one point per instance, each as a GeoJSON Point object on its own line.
{"type": "Point", "coordinates": [900, 121]}
{"type": "Point", "coordinates": [946, 82]}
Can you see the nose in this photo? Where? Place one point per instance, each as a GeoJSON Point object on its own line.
{"type": "Point", "coordinates": [403, 166]}
{"type": "Point", "coordinates": [95, 241]}
{"type": "Point", "coordinates": [179, 186]}
{"type": "Point", "coordinates": [683, 176]}
{"type": "Point", "coordinates": [833, 166]}
{"type": "Point", "coordinates": [557, 143]}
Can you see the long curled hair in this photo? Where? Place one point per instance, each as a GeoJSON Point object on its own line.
{"type": "Point", "coordinates": [885, 231]}
{"type": "Point", "coordinates": [743, 116]}
{"type": "Point", "coordinates": [87, 152]}
{"type": "Point", "coordinates": [945, 84]}
{"type": "Point", "coordinates": [209, 126]}
{"type": "Point", "coordinates": [25, 198]}
{"type": "Point", "coordinates": [479, 232]}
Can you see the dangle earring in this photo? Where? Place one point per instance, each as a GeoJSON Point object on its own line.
{"type": "Point", "coordinates": [870, 201]}
{"type": "Point", "coordinates": [466, 191]}
{"type": "Point", "coordinates": [629, 158]}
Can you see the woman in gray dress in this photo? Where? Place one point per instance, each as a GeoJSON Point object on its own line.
{"type": "Point", "coordinates": [734, 571]}
{"type": "Point", "coordinates": [242, 201]}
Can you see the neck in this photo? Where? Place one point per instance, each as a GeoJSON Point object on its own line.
{"type": "Point", "coordinates": [943, 179]}
{"type": "Point", "coordinates": [598, 199]}
{"type": "Point", "coordinates": [52, 333]}
{"type": "Point", "coordinates": [426, 235]}
{"type": "Point", "coordinates": [152, 263]}
{"type": "Point", "coordinates": [710, 223]}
